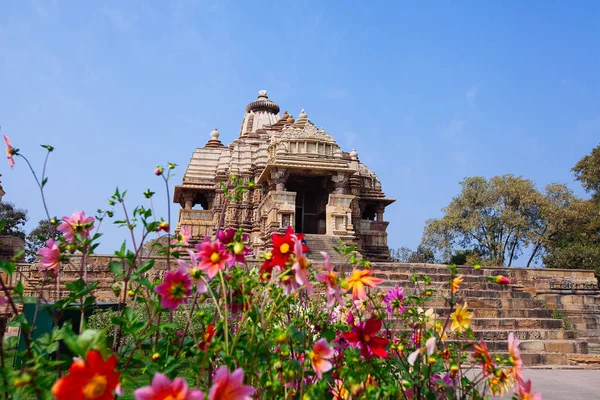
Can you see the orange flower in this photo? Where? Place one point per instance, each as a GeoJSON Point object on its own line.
{"type": "Point", "coordinates": [92, 379]}
{"type": "Point", "coordinates": [482, 355]}
{"type": "Point", "coordinates": [360, 279]}
{"type": "Point", "coordinates": [455, 284]}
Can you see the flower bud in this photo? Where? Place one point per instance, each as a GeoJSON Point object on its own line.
{"type": "Point", "coordinates": [476, 267]}
{"type": "Point", "coordinates": [53, 221]}
{"type": "Point", "coordinates": [281, 338]}
{"type": "Point", "coordinates": [71, 248]}
{"type": "Point", "coordinates": [428, 292]}
{"type": "Point", "coordinates": [155, 357]}
{"type": "Point", "coordinates": [164, 226]}
{"type": "Point", "coordinates": [23, 380]}
{"type": "Point", "coordinates": [453, 370]}
{"type": "Point", "coordinates": [131, 293]}
{"type": "Point", "coordinates": [238, 247]}
{"type": "Point", "coordinates": [111, 202]}
{"type": "Point", "coordinates": [431, 360]}
{"type": "Point", "coordinates": [158, 171]}
{"type": "Point", "coordinates": [171, 165]}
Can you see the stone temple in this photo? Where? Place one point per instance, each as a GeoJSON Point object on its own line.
{"type": "Point", "coordinates": [302, 178]}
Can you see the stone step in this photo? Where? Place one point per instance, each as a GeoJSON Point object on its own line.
{"type": "Point", "coordinates": [541, 346]}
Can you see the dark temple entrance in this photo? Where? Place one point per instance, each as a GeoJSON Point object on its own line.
{"type": "Point", "coordinates": [312, 195]}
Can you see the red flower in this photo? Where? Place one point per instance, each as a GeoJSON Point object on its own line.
{"type": "Point", "coordinates": [283, 246]}
{"type": "Point", "coordinates": [93, 378]}
{"type": "Point", "coordinates": [363, 335]}
{"type": "Point", "coordinates": [208, 336]}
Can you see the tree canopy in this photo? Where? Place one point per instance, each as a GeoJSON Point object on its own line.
{"type": "Point", "coordinates": [15, 219]}
{"type": "Point", "coordinates": [495, 218]}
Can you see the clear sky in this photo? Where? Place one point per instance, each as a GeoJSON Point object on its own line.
{"type": "Point", "coordinates": [427, 93]}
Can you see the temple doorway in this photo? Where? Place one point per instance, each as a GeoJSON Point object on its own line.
{"type": "Point", "coordinates": [312, 195]}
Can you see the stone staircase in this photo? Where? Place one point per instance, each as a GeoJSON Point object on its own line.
{"type": "Point", "coordinates": [498, 311]}
{"type": "Point", "coordinates": [318, 243]}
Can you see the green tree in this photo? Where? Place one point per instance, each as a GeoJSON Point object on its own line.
{"type": "Point", "coordinates": [574, 237]}
{"type": "Point", "coordinates": [15, 219]}
{"type": "Point", "coordinates": [406, 255]}
{"type": "Point", "coordinates": [494, 218]}
{"type": "Point", "coordinates": [587, 171]}
{"type": "Point", "coordinates": [37, 239]}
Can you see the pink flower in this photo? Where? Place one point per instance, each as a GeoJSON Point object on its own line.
{"type": "Point", "coordinates": [301, 265]}
{"type": "Point", "coordinates": [287, 279]}
{"type": "Point", "coordinates": [429, 347]}
{"type": "Point", "coordinates": [230, 386]}
{"type": "Point", "coordinates": [319, 357]}
{"type": "Point", "coordinates": [194, 271]}
{"type": "Point", "coordinates": [77, 224]}
{"type": "Point", "coordinates": [524, 392]}
{"type": "Point", "coordinates": [329, 278]}
{"type": "Point", "coordinates": [162, 389]}
{"type": "Point", "coordinates": [214, 257]}
{"type": "Point", "coordinates": [515, 356]}
{"type": "Point", "coordinates": [10, 151]}
{"type": "Point", "coordinates": [3, 300]}
{"type": "Point", "coordinates": [175, 290]}
{"type": "Point", "coordinates": [50, 255]}
{"type": "Point", "coordinates": [185, 234]}
{"type": "Point", "coordinates": [235, 241]}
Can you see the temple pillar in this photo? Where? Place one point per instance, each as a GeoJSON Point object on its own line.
{"type": "Point", "coordinates": [188, 200]}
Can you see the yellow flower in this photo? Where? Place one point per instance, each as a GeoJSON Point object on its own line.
{"type": "Point", "coordinates": [501, 382]}
{"type": "Point", "coordinates": [455, 284]}
{"type": "Point", "coordinates": [461, 318]}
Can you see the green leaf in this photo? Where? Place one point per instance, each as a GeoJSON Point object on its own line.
{"type": "Point", "coordinates": [147, 266]}
{"type": "Point", "coordinates": [44, 181]}
{"type": "Point", "coordinates": [2, 224]}
{"type": "Point", "coordinates": [19, 288]}
{"type": "Point", "coordinates": [115, 267]}
{"type": "Point", "coordinates": [7, 266]}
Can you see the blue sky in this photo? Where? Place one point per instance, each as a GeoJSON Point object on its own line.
{"type": "Point", "coordinates": [427, 93]}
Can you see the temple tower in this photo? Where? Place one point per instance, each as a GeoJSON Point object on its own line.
{"type": "Point", "coordinates": [302, 178]}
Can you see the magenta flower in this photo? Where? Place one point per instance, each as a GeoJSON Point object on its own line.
{"type": "Point", "coordinates": [329, 278]}
{"type": "Point", "coordinates": [319, 357]}
{"type": "Point", "coordinates": [194, 271]}
{"type": "Point", "coordinates": [3, 300]}
{"type": "Point", "coordinates": [214, 256]}
{"type": "Point", "coordinates": [230, 386]}
{"type": "Point", "coordinates": [301, 265]}
{"type": "Point", "coordinates": [158, 171]}
{"type": "Point", "coordinates": [235, 243]}
{"type": "Point", "coordinates": [10, 151]}
{"type": "Point", "coordinates": [50, 255]}
{"type": "Point", "coordinates": [394, 299]}
{"type": "Point", "coordinates": [175, 289]}
{"type": "Point", "coordinates": [162, 388]}
{"type": "Point", "coordinates": [77, 224]}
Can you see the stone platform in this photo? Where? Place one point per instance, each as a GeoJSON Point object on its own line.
{"type": "Point", "coordinates": [554, 312]}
